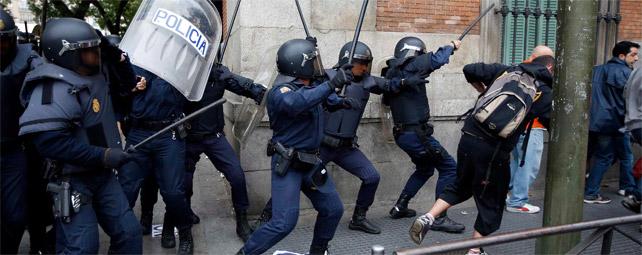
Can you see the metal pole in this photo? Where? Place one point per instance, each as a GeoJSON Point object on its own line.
{"type": "Point", "coordinates": [527, 12]}
{"type": "Point", "coordinates": [607, 40]}
{"type": "Point", "coordinates": [547, 15]}
{"type": "Point", "coordinates": [305, 25]}
{"type": "Point", "coordinates": [575, 56]}
{"type": "Point", "coordinates": [175, 124]}
{"type": "Point", "coordinates": [515, 14]}
{"type": "Point", "coordinates": [504, 12]}
{"type": "Point", "coordinates": [606, 242]}
{"type": "Point", "coordinates": [554, 232]}
{"type": "Point", "coordinates": [43, 22]}
{"type": "Point", "coordinates": [598, 27]}
{"type": "Point", "coordinates": [537, 14]}
{"type": "Point", "coordinates": [223, 46]}
{"type": "Point", "coordinates": [470, 27]}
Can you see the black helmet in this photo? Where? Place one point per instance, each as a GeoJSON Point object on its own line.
{"type": "Point", "coordinates": [362, 53]}
{"type": "Point", "coordinates": [299, 58]}
{"type": "Point", "coordinates": [113, 40]}
{"type": "Point", "coordinates": [409, 47]}
{"type": "Point", "coordinates": [8, 38]}
{"type": "Point", "coordinates": [63, 39]}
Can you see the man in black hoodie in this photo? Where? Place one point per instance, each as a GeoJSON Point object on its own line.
{"type": "Point", "coordinates": [479, 152]}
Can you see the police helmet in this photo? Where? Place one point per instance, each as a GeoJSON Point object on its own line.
{"type": "Point", "coordinates": [64, 38]}
{"type": "Point", "coordinates": [299, 58]}
{"type": "Point", "coordinates": [8, 36]}
{"type": "Point", "coordinates": [114, 40]}
{"type": "Point", "coordinates": [409, 47]}
{"type": "Point", "coordinates": [362, 54]}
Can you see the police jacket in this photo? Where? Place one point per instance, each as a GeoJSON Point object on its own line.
{"type": "Point", "coordinates": [607, 99]}
{"type": "Point", "coordinates": [343, 123]}
{"type": "Point", "coordinates": [11, 81]}
{"type": "Point", "coordinates": [69, 117]}
{"type": "Point", "coordinates": [296, 113]}
{"type": "Point", "coordinates": [213, 121]}
{"type": "Point", "coordinates": [410, 105]}
{"type": "Point", "coordinates": [541, 108]}
{"type": "Point", "coordinates": [160, 101]}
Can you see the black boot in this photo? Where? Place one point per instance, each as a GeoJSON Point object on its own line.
{"type": "Point", "coordinates": [243, 229]}
{"type": "Point", "coordinates": [240, 252]}
{"type": "Point", "coordinates": [146, 222]}
{"type": "Point", "coordinates": [168, 240]}
{"type": "Point", "coordinates": [401, 208]}
{"type": "Point", "coordinates": [186, 242]}
{"type": "Point", "coordinates": [359, 221]}
{"type": "Point", "coordinates": [318, 249]}
{"type": "Point", "coordinates": [266, 215]}
{"type": "Point", "coordinates": [445, 224]}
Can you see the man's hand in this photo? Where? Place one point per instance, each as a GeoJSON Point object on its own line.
{"type": "Point", "coordinates": [221, 73]}
{"type": "Point", "coordinates": [413, 82]}
{"type": "Point", "coordinates": [114, 158]}
{"type": "Point", "coordinates": [259, 96]}
{"type": "Point", "coordinates": [141, 84]}
{"type": "Point", "coordinates": [456, 44]}
{"type": "Point", "coordinates": [344, 76]}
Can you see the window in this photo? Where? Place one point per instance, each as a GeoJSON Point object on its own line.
{"type": "Point", "coordinates": [524, 28]}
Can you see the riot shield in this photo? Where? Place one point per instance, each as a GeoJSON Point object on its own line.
{"type": "Point", "coordinates": [177, 40]}
{"type": "Point", "coordinates": [387, 124]}
{"type": "Point", "coordinates": [249, 114]}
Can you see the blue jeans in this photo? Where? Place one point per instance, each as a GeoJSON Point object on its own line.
{"type": "Point", "coordinates": [607, 149]}
{"type": "Point", "coordinates": [109, 208]}
{"type": "Point", "coordinates": [14, 190]}
{"type": "Point", "coordinates": [425, 168]}
{"type": "Point", "coordinates": [285, 211]}
{"type": "Point", "coordinates": [523, 177]}
{"type": "Point", "coordinates": [164, 157]}
{"type": "Point", "coordinates": [353, 161]}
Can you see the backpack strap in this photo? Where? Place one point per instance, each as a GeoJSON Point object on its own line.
{"type": "Point", "coordinates": [525, 143]}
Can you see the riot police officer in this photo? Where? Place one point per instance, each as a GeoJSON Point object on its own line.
{"type": "Point", "coordinates": [339, 144]}
{"type": "Point", "coordinates": [412, 132]}
{"type": "Point", "coordinates": [205, 135]}
{"type": "Point", "coordinates": [296, 117]}
{"type": "Point", "coordinates": [15, 60]}
{"type": "Point", "coordinates": [70, 119]}
{"type": "Point", "coordinates": [154, 108]}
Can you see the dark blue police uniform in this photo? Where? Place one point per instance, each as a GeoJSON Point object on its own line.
{"type": "Point", "coordinates": [70, 119]}
{"type": "Point", "coordinates": [411, 112]}
{"type": "Point", "coordinates": [13, 159]}
{"type": "Point", "coordinates": [296, 118]}
{"type": "Point", "coordinates": [158, 106]}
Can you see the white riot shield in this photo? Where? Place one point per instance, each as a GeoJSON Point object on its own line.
{"type": "Point", "coordinates": [249, 114]}
{"type": "Point", "coordinates": [177, 40]}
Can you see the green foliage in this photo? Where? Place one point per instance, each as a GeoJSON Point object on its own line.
{"type": "Point", "coordinates": [113, 15]}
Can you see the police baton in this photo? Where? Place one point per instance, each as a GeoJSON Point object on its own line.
{"type": "Point", "coordinates": [355, 39]}
{"type": "Point", "coordinates": [305, 25]}
{"type": "Point", "coordinates": [175, 124]}
{"type": "Point", "coordinates": [223, 46]}
{"type": "Point", "coordinates": [470, 27]}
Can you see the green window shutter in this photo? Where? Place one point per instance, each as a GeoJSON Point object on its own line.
{"type": "Point", "coordinates": [514, 48]}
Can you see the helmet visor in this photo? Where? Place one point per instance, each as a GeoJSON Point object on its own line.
{"type": "Point", "coordinates": [67, 46]}
{"type": "Point", "coordinates": [318, 65]}
{"type": "Point", "coordinates": [411, 50]}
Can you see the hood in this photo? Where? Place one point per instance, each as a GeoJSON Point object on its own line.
{"type": "Point", "coordinates": [540, 73]}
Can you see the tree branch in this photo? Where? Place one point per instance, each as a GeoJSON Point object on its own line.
{"type": "Point", "coordinates": [108, 22]}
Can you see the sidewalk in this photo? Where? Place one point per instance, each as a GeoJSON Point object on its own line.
{"type": "Point", "coordinates": [216, 235]}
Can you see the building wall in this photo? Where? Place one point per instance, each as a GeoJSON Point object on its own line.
{"type": "Point", "coordinates": [423, 16]}
{"type": "Point", "coordinates": [631, 25]}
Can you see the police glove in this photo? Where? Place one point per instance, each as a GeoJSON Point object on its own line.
{"type": "Point", "coordinates": [312, 40]}
{"type": "Point", "coordinates": [114, 158]}
{"type": "Point", "coordinates": [258, 98]}
{"type": "Point", "coordinates": [344, 76]}
{"type": "Point", "coordinates": [351, 103]}
{"type": "Point", "coordinates": [220, 73]}
{"type": "Point", "coordinates": [413, 82]}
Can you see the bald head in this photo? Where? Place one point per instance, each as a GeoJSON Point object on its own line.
{"type": "Point", "coordinates": [539, 51]}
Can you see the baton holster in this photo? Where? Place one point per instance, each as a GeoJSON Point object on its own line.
{"type": "Point", "coordinates": [283, 156]}
{"type": "Point", "coordinates": [61, 192]}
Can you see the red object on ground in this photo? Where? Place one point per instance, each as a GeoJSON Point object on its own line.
{"type": "Point", "coordinates": [637, 169]}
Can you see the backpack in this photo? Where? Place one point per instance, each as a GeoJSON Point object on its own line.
{"type": "Point", "coordinates": [503, 107]}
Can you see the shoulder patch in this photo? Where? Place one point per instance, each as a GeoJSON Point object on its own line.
{"type": "Point", "coordinates": [284, 89]}
{"type": "Point", "coordinates": [95, 105]}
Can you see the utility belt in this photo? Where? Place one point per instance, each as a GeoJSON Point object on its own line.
{"type": "Point", "coordinates": [335, 142]}
{"type": "Point", "coordinates": [157, 125]}
{"type": "Point", "coordinates": [66, 200]}
{"type": "Point", "coordinates": [423, 130]}
{"type": "Point", "coordinates": [306, 162]}
{"type": "Point", "coordinates": [192, 138]}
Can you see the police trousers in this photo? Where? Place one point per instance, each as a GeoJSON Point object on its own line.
{"type": "Point", "coordinates": [108, 207]}
{"type": "Point", "coordinates": [14, 190]}
{"type": "Point", "coordinates": [285, 211]}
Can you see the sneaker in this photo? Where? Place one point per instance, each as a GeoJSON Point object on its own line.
{"type": "Point", "coordinates": [632, 204]}
{"type": "Point", "coordinates": [526, 208]}
{"type": "Point", "coordinates": [621, 192]}
{"type": "Point", "coordinates": [419, 228]}
{"type": "Point", "coordinates": [476, 252]}
{"type": "Point", "coordinates": [598, 199]}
